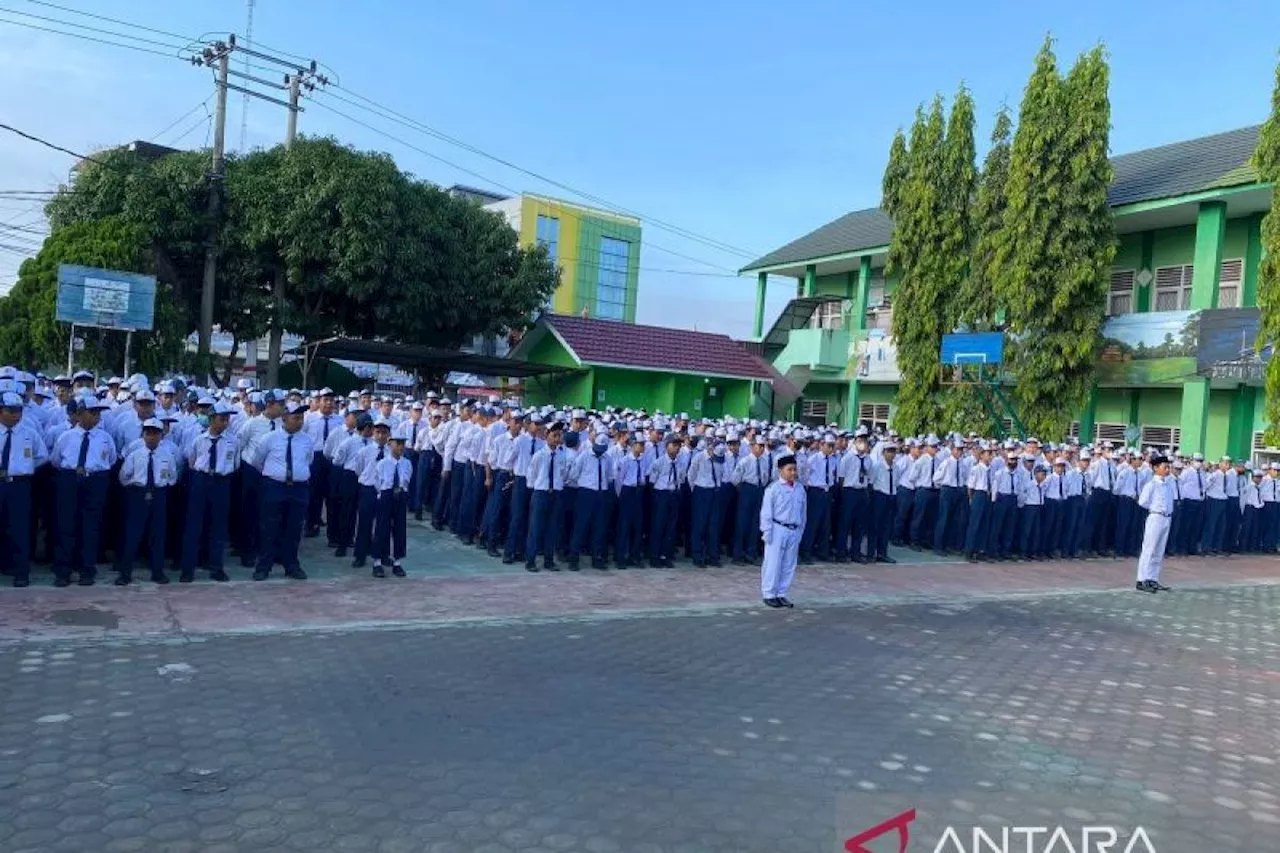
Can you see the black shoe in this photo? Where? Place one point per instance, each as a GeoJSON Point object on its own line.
{"type": "Point", "coordinates": [219, 575]}
{"type": "Point", "coordinates": [573, 566]}
{"type": "Point", "coordinates": [530, 567]}
{"type": "Point", "coordinates": [341, 552]}
{"type": "Point", "coordinates": [246, 563]}
{"type": "Point", "coordinates": [297, 574]}
{"type": "Point", "coordinates": [378, 571]}
{"type": "Point", "coordinates": [550, 566]}
{"type": "Point", "coordinates": [122, 579]}
{"type": "Point", "coordinates": [397, 570]}
{"type": "Point", "coordinates": [506, 561]}
{"type": "Point", "coordinates": [1159, 587]}
{"type": "Point", "coordinates": [772, 602]}
{"type": "Point", "coordinates": [61, 582]}
{"type": "Point", "coordinates": [885, 559]}
{"type": "Point", "coordinates": [494, 552]}
{"type": "Point", "coordinates": [782, 602]}
{"type": "Point", "coordinates": [160, 578]}
{"type": "Point", "coordinates": [417, 516]}
{"type": "Point", "coordinates": [357, 563]}
{"type": "Point", "coordinates": [21, 582]}
{"type": "Point", "coordinates": [312, 532]}
{"type": "Point", "coordinates": [600, 564]}
{"type": "Point", "coordinates": [715, 564]}
{"type": "Point", "coordinates": [86, 580]}
{"type": "Point", "coordinates": [916, 548]}
{"type": "Point", "coordinates": [467, 540]}
{"type": "Point", "coordinates": [186, 576]}
{"type": "Point", "coordinates": [261, 575]}
{"type": "Point", "coordinates": [1143, 586]}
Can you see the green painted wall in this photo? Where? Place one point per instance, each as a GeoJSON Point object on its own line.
{"type": "Point", "coordinates": [1129, 252]}
{"type": "Point", "coordinates": [836, 284]}
{"type": "Point", "coordinates": [1159, 406]}
{"type": "Point", "coordinates": [590, 230]}
{"type": "Point", "coordinates": [572, 390]}
{"type": "Point", "coordinates": [1113, 407]}
{"type": "Point", "coordinates": [1218, 432]}
{"type": "Point", "coordinates": [737, 396]}
{"type": "Point", "coordinates": [1173, 246]}
{"type": "Point", "coordinates": [688, 395]}
{"type": "Point", "coordinates": [869, 393]}
{"type": "Point", "coordinates": [1236, 242]}
{"type": "Point", "coordinates": [625, 389]}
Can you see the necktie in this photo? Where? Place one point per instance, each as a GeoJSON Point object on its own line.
{"type": "Point", "coordinates": [4, 454]}
{"type": "Point", "coordinates": [715, 476]}
{"type": "Point", "coordinates": [1060, 494]}
{"type": "Point", "coordinates": [288, 459]}
{"type": "Point", "coordinates": [637, 470]}
{"type": "Point", "coordinates": [413, 436]}
{"type": "Point", "coordinates": [673, 475]}
{"type": "Point", "coordinates": [326, 427]}
{"type": "Point", "coordinates": [600, 473]}
{"type": "Point", "coordinates": [273, 425]}
{"type": "Point", "coordinates": [1107, 466]}
{"type": "Point", "coordinates": [213, 454]}
{"type": "Point", "coordinates": [395, 479]}
{"type": "Point", "coordinates": [933, 469]}
{"type": "Point", "coordinates": [84, 453]}
{"type": "Point", "coordinates": [956, 468]}
{"type": "Point", "coordinates": [759, 471]}
{"type": "Point", "coordinates": [827, 465]}
{"type": "Point", "coordinates": [891, 491]}
{"type": "Point", "coordinates": [151, 470]}
{"type": "Point", "coordinates": [551, 469]}
{"type": "Point", "coordinates": [862, 470]}
{"type": "Point", "coordinates": [1200, 481]}
{"type": "Point", "coordinates": [989, 479]}
{"type": "Point", "coordinates": [381, 451]}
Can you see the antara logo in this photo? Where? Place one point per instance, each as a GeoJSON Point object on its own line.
{"type": "Point", "coordinates": [1010, 839]}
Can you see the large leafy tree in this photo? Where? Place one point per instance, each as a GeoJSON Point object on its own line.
{"type": "Point", "coordinates": [1267, 161]}
{"type": "Point", "coordinates": [30, 336]}
{"type": "Point", "coordinates": [978, 307]}
{"type": "Point", "coordinates": [1052, 256]}
{"type": "Point", "coordinates": [360, 247]}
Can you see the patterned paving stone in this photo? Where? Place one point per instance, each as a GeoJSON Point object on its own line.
{"type": "Point", "coordinates": [736, 730]}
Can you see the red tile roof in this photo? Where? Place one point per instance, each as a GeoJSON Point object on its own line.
{"type": "Point", "coordinates": [658, 348]}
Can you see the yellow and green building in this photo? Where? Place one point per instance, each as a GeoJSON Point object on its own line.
{"type": "Point", "coordinates": [597, 251]}
{"type": "Point", "coordinates": [1178, 366]}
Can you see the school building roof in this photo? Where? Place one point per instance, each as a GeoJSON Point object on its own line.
{"type": "Point", "coordinates": [1167, 171]}
{"type": "Point", "coordinates": [610, 343]}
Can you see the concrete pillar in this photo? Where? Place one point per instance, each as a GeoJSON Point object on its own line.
{"type": "Point", "coordinates": [1252, 261]}
{"type": "Point", "coordinates": [1194, 421]}
{"type": "Point", "coordinates": [810, 280]}
{"type": "Point", "coordinates": [762, 289]}
{"type": "Point", "coordinates": [1211, 230]}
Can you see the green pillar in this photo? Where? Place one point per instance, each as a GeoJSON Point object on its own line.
{"type": "Point", "coordinates": [853, 398]}
{"type": "Point", "coordinates": [1142, 301]}
{"type": "Point", "coordinates": [1134, 397]}
{"type": "Point", "coordinates": [1211, 229]}
{"type": "Point", "coordinates": [863, 293]}
{"type": "Point", "coordinates": [1195, 415]}
{"type": "Point", "coordinates": [1252, 260]}
{"type": "Point", "coordinates": [1240, 431]}
{"type": "Point", "coordinates": [1089, 416]}
{"type": "Point", "coordinates": [762, 289]}
{"type": "Point", "coordinates": [810, 279]}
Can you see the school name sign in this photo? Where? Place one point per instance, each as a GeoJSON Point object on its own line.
{"type": "Point", "coordinates": [106, 299]}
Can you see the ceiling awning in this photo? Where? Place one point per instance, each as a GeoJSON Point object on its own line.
{"type": "Point", "coordinates": [423, 358]}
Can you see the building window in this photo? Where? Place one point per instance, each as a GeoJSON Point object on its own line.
{"type": "Point", "coordinates": [549, 236]}
{"type": "Point", "coordinates": [1114, 433]}
{"type": "Point", "coordinates": [875, 291]}
{"type": "Point", "coordinates": [874, 415]}
{"type": "Point", "coordinates": [828, 315]}
{"type": "Point", "coordinates": [1173, 288]}
{"type": "Point", "coordinates": [1120, 297]}
{"type": "Point", "coordinates": [1230, 282]}
{"type": "Point", "coordinates": [1162, 438]}
{"type": "Point", "coordinates": [611, 281]}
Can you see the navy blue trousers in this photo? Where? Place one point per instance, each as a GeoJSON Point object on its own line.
{"type": "Point", "coordinates": [949, 516]}
{"type": "Point", "coordinates": [366, 512]}
{"type": "Point", "coordinates": [1004, 522]}
{"type": "Point", "coordinates": [590, 524]}
{"type": "Point", "coordinates": [662, 527]}
{"type": "Point", "coordinates": [1126, 512]}
{"type": "Point", "coordinates": [391, 516]}
{"type": "Point", "coordinates": [1030, 524]}
{"type": "Point", "coordinates": [205, 527]}
{"type": "Point", "coordinates": [855, 523]}
{"type": "Point", "coordinates": [902, 521]}
{"type": "Point", "coordinates": [746, 530]}
{"type": "Point", "coordinates": [15, 526]}
{"type": "Point", "coordinates": [248, 527]}
{"type": "Point", "coordinates": [145, 518]}
{"type": "Point", "coordinates": [815, 542]}
{"type": "Point", "coordinates": [79, 502]}
{"type": "Point", "coordinates": [518, 529]}
{"type": "Point", "coordinates": [495, 509]}
{"type": "Point", "coordinates": [1192, 526]}
{"type": "Point", "coordinates": [630, 525]}
{"type": "Point", "coordinates": [884, 508]}
{"type": "Point", "coordinates": [1101, 516]}
{"type": "Point", "coordinates": [545, 519]}
{"type": "Point", "coordinates": [1072, 517]}
{"type": "Point", "coordinates": [1215, 520]}
{"type": "Point", "coordinates": [922, 516]}
{"type": "Point", "coordinates": [976, 536]}
{"type": "Point", "coordinates": [283, 510]}
{"type": "Point", "coordinates": [703, 542]}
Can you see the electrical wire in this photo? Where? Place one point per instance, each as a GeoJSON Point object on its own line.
{"type": "Point", "coordinates": [390, 114]}
{"type": "Point", "coordinates": [90, 29]}
{"type": "Point", "coordinates": [138, 48]}
{"type": "Point", "coordinates": [182, 118]}
{"type": "Point", "coordinates": [72, 11]}
{"type": "Point", "coordinates": [47, 144]}
{"type": "Point", "coordinates": [205, 120]}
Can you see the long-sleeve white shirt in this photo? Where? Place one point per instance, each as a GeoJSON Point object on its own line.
{"type": "Point", "coordinates": [784, 504]}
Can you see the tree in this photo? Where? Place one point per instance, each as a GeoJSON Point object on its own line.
{"type": "Point", "coordinates": [29, 334]}
{"type": "Point", "coordinates": [895, 175]}
{"type": "Point", "coordinates": [1266, 159]}
{"type": "Point", "coordinates": [978, 305]}
{"type": "Point", "coordinates": [363, 248]}
{"type": "Point", "coordinates": [1054, 253]}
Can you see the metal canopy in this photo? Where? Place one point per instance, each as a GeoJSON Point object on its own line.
{"type": "Point", "coordinates": [423, 358]}
{"type": "Point", "coordinates": [796, 314]}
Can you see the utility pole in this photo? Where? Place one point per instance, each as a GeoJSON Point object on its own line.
{"type": "Point", "coordinates": [275, 339]}
{"type": "Point", "coordinates": [218, 56]}
{"type": "Point", "coordinates": [220, 53]}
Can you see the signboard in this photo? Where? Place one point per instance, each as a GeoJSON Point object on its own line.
{"type": "Point", "coordinates": [1170, 347]}
{"type": "Point", "coordinates": [1227, 340]}
{"type": "Point", "coordinates": [108, 299]}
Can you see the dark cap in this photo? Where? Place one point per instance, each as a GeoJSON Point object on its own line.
{"type": "Point", "coordinates": [784, 461]}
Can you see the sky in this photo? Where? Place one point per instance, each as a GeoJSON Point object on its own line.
{"type": "Point", "coordinates": [746, 123]}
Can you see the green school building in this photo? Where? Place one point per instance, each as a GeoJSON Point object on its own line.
{"type": "Point", "coordinates": [1178, 366]}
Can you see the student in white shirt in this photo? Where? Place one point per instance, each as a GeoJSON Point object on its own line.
{"type": "Point", "coordinates": [393, 478]}
{"type": "Point", "coordinates": [146, 474]}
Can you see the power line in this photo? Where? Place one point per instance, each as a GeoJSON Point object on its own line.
{"type": "Point", "coordinates": [47, 144]}
{"type": "Point", "coordinates": [205, 121]}
{"type": "Point", "coordinates": [90, 29]}
{"type": "Point", "coordinates": [136, 47]}
{"type": "Point", "coordinates": [491, 181]}
{"type": "Point", "coordinates": [111, 20]}
{"type": "Point", "coordinates": [392, 115]}
{"type": "Point", "coordinates": [182, 118]}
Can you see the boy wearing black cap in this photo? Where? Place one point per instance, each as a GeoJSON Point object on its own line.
{"type": "Point", "coordinates": [1157, 500]}
{"type": "Point", "coordinates": [782, 516]}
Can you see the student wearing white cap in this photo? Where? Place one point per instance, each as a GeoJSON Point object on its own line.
{"type": "Point", "coordinates": [22, 453]}
{"type": "Point", "coordinates": [393, 476]}
{"type": "Point", "coordinates": [1269, 520]}
{"type": "Point", "coordinates": [594, 472]}
{"type": "Point", "coordinates": [1191, 527]}
{"type": "Point", "coordinates": [84, 456]}
{"type": "Point", "coordinates": [499, 465]}
{"type": "Point", "coordinates": [320, 425]}
{"type": "Point", "coordinates": [1215, 510]}
{"type": "Point", "coordinates": [146, 474]}
{"type": "Point", "coordinates": [284, 457]}
{"type": "Point", "coordinates": [1251, 507]}
{"type": "Point", "coordinates": [752, 475]}
{"type": "Point", "coordinates": [212, 460]}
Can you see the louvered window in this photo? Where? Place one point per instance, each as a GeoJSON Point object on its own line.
{"type": "Point", "coordinates": [1263, 454]}
{"type": "Point", "coordinates": [1120, 298]}
{"type": "Point", "coordinates": [874, 415]}
{"type": "Point", "coordinates": [814, 409]}
{"type": "Point", "coordinates": [1164, 438]}
{"type": "Point", "coordinates": [1113, 433]}
{"type": "Point", "coordinates": [1173, 288]}
{"type": "Point", "coordinates": [1230, 283]}
{"type": "Point", "coordinates": [1074, 432]}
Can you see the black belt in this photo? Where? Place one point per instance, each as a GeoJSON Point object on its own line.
{"type": "Point", "coordinates": [789, 526]}
{"type": "Point", "coordinates": [1165, 514]}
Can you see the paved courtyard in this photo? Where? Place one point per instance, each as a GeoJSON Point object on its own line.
{"type": "Point", "coordinates": [668, 727]}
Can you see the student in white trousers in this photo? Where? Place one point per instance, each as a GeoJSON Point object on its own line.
{"type": "Point", "coordinates": [782, 514]}
{"type": "Point", "coordinates": [1157, 500]}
